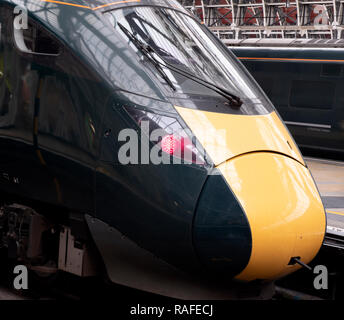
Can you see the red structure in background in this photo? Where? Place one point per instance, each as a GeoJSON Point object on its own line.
{"type": "Point", "coordinates": [287, 14]}
{"type": "Point", "coordinates": [241, 19]}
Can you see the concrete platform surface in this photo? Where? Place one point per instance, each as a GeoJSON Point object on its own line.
{"type": "Point", "coordinates": [329, 177]}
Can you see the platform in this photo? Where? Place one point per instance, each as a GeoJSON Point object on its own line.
{"type": "Point", "coordinates": [329, 177]}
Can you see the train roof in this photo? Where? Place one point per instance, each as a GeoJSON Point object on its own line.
{"type": "Point", "coordinates": [101, 5]}
{"type": "Point", "coordinates": [286, 43]}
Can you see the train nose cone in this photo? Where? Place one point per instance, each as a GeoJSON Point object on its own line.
{"type": "Point", "coordinates": [259, 212]}
{"type": "Point", "coordinates": [283, 209]}
{"type": "Point", "coordinates": [279, 214]}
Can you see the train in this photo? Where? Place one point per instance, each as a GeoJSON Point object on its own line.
{"type": "Point", "coordinates": [134, 143]}
{"type": "Point", "coordinates": [303, 79]}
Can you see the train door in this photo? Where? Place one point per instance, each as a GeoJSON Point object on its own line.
{"type": "Point", "coordinates": [48, 124]}
{"type": "Point", "coordinates": [68, 106]}
{"type": "Point", "coordinates": [312, 103]}
{"type": "Point", "coordinates": [18, 83]}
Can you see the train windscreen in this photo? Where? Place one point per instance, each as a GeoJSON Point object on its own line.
{"type": "Point", "coordinates": [190, 58]}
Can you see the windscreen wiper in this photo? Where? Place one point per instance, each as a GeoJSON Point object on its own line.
{"type": "Point", "coordinates": [235, 101]}
{"type": "Point", "coordinates": [147, 52]}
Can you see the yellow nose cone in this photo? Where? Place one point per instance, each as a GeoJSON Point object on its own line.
{"type": "Point", "coordinates": [284, 210]}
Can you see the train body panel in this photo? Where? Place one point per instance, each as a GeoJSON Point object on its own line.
{"type": "Point", "coordinates": [291, 226]}
{"type": "Point", "coordinates": [218, 134]}
{"type": "Point", "coordinates": [305, 86]}
{"type": "Point", "coordinates": [126, 101]}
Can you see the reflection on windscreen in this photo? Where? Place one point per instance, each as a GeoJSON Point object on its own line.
{"type": "Point", "coordinates": [181, 41]}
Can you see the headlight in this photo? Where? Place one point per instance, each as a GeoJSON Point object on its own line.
{"type": "Point", "coordinates": [167, 134]}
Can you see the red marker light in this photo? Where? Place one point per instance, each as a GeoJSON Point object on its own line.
{"type": "Point", "coordinates": [169, 144]}
{"type": "Point", "coordinates": [178, 142]}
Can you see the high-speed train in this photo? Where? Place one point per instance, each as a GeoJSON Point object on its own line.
{"type": "Point", "coordinates": [92, 95]}
{"type": "Point", "coordinates": [303, 78]}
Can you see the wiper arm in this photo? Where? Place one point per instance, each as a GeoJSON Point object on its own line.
{"type": "Point", "coordinates": [147, 52]}
{"type": "Point", "coordinates": [236, 101]}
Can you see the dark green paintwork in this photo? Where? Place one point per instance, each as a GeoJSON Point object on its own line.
{"type": "Point", "coordinates": [303, 91]}
{"type": "Point", "coordinates": [222, 234]}
{"type": "Point", "coordinates": [70, 161]}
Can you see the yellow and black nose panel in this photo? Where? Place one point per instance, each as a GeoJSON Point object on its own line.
{"type": "Point", "coordinates": [225, 136]}
{"type": "Point", "coordinates": [281, 215]}
{"type": "Point", "coordinates": [283, 209]}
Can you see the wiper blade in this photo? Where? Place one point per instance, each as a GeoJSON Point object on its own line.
{"type": "Point", "coordinates": [235, 101]}
{"type": "Point", "coordinates": [147, 52]}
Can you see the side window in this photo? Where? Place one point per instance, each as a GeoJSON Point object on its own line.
{"type": "Point", "coordinates": [312, 94]}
